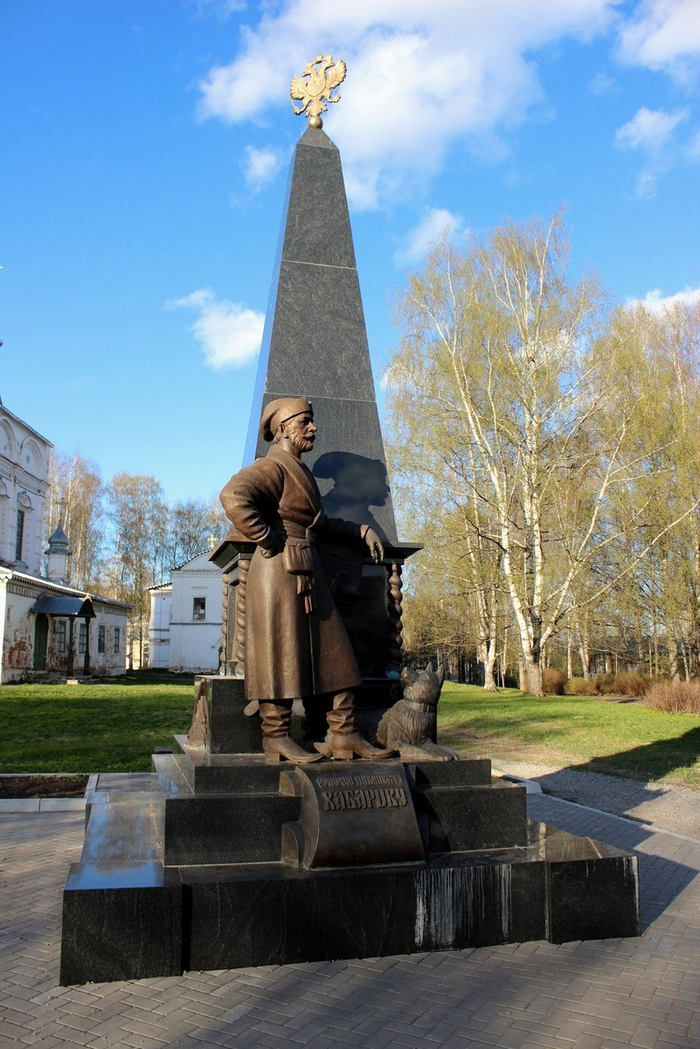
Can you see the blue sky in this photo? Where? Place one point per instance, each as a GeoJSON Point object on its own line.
{"type": "Point", "coordinates": [145, 148]}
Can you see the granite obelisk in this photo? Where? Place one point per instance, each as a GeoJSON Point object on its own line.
{"type": "Point", "coordinates": [315, 340]}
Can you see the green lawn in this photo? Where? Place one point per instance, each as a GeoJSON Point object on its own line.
{"type": "Point", "coordinates": [114, 728]}
{"type": "Point", "coordinates": [89, 728]}
{"type": "Point", "coordinates": [598, 735]}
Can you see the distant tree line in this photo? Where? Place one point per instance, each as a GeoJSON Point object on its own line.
{"type": "Point", "coordinates": [546, 450]}
{"type": "Point", "coordinates": [124, 535]}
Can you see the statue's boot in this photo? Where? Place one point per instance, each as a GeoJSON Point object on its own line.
{"type": "Point", "coordinates": [277, 743]}
{"type": "Point", "coordinates": [343, 742]}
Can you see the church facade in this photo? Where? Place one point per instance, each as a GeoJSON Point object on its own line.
{"type": "Point", "coordinates": [48, 630]}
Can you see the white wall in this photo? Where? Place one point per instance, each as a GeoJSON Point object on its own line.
{"type": "Point", "coordinates": [193, 640]}
{"type": "Point", "coordinates": [24, 473]}
{"type": "Point", "coordinates": [159, 628]}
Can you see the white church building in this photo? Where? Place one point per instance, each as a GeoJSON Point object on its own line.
{"type": "Point", "coordinates": [48, 630]}
{"type": "Point", "coordinates": [184, 635]}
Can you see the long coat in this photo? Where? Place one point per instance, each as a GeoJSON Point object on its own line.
{"type": "Point", "coordinates": [296, 643]}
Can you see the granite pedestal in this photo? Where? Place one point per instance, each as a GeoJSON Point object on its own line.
{"type": "Point", "coordinates": [233, 862]}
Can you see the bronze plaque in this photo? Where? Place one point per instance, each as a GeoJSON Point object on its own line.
{"type": "Point", "coordinates": [352, 814]}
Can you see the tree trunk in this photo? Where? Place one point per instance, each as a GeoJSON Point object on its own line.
{"type": "Point", "coordinates": [487, 658]}
{"type": "Point", "coordinates": [533, 673]}
{"type": "Point", "coordinates": [673, 667]}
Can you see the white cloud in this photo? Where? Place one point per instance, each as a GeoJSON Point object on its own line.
{"type": "Point", "coordinates": [652, 132]}
{"type": "Point", "coordinates": [657, 303]}
{"type": "Point", "coordinates": [649, 129]}
{"type": "Point", "coordinates": [418, 241]}
{"type": "Point", "coordinates": [664, 35]}
{"type": "Point", "coordinates": [261, 166]}
{"type": "Point", "coordinates": [229, 334]}
{"type": "Point", "coordinates": [421, 77]}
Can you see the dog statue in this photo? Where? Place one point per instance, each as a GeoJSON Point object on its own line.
{"type": "Point", "coordinates": [409, 726]}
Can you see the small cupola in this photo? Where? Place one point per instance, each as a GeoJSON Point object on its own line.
{"type": "Point", "coordinates": [58, 554]}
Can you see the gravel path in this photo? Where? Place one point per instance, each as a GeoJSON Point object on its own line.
{"type": "Point", "coordinates": [670, 808]}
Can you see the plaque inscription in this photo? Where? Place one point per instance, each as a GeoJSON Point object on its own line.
{"type": "Point", "coordinates": [350, 818]}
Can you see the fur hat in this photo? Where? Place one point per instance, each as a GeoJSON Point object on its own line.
{"type": "Point", "coordinates": [281, 411]}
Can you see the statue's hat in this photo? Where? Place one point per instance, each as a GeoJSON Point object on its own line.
{"type": "Point", "coordinates": [281, 411]}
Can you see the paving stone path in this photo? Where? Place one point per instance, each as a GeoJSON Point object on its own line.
{"type": "Point", "coordinates": [597, 995]}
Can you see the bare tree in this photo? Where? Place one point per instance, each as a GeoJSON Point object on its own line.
{"type": "Point", "coordinates": [76, 503]}
{"type": "Point", "coordinates": [194, 525]}
{"type": "Point", "coordinates": [138, 517]}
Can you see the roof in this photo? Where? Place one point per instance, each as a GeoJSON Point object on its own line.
{"type": "Point", "coordinates": [62, 589]}
{"type": "Point", "coordinates": [26, 425]}
{"type": "Point", "coordinates": [64, 606]}
{"type": "Point", "coordinates": [58, 539]}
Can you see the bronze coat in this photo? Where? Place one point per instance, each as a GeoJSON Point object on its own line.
{"type": "Point", "coordinates": [290, 652]}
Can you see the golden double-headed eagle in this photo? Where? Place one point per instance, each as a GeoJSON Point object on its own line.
{"type": "Point", "coordinates": [313, 88]}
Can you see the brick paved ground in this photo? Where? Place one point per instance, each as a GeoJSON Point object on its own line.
{"type": "Point", "coordinates": [598, 995]}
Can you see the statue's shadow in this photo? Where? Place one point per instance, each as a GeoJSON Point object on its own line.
{"type": "Point", "coordinates": [358, 484]}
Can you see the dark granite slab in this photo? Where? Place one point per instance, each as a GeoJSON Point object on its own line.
{"type": "Point", "coordinates": [469, 900]}
{"type": "Point", "coordinates": [587, 895]}
{"type": "Point", "coordinates": [130, 918]}
{"type": "Point", "coordinates": [122, 911]}
{"type": "Point", "coordinates": [475, 817]}
{"type": "Point", "coordinates": [463, 773]}
{"type": "Point", "coordinates": [116, 930]}
{"type": "Point", "coordinates": [227, 773]}
{"type": "Point", "coordinates": [236, 829]}
{"type": "Point", "coordinates": [230, 730]}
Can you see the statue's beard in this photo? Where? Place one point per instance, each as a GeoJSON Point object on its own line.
{"type": "Point", "coordinates": [301, 443]}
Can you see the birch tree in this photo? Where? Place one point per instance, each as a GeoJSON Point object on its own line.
{"type": "Point", "coordinates": [76, 503]}
{"type": "Point", "coordinates": [138, 516]}
{"type": "Point", "coordinates": [506, 390]}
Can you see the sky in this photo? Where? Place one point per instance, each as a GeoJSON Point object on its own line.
{"type": "Point", "coordinates": [144, 154]}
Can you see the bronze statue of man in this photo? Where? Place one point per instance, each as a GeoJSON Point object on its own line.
{"type": "Point", "coordinates": [296, 643]}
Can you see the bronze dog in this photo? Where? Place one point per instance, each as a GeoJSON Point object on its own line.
{"type": "Point", "coordinates": [409, 726]}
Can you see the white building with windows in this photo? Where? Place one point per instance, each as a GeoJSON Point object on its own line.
{"type": "Point", "coordinates": [48, 630]}
{"type": "Point", "coordinates": [184, 634]}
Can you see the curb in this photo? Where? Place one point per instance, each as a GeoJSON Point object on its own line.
{"type": "Point", "coordinates": [8, 805]}
{"type": "Point", "coordinates": [531, 785]}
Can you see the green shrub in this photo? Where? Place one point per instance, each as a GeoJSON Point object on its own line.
{"type": "Point", "coordinates": [553, 681]}
{"type": "Point", "coordinates": [580, 686]}
{"type": "Point", "coordinates": [674, 697]}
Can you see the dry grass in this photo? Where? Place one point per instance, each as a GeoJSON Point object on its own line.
{"type": "Point", "coordinates": [580, 686]}
{"type": "Point", "coordinates": [553, 681]}
{"type": "Point", "coordinates": [627, 683]}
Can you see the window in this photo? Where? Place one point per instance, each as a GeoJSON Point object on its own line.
{"type": "Point", "coordinates": [116, 638]}
{"type": "Point", "coordinates": [101, 639]}
{"type": "Point", "coordinates": [199, 607]}
{"type": "Point", "coordinates": [61, 645]}
{"type": "Point", "coordinates": [82, 639]}
{"type": "Point", "coordinates": [20, 536]}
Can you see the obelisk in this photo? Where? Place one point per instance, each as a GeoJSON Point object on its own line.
{"type": "Point", "coordinates": [315, 338]}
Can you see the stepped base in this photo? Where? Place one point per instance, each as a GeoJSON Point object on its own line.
{"type": "Point", "coordinates": [173, 879]}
